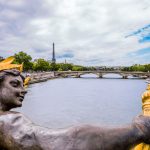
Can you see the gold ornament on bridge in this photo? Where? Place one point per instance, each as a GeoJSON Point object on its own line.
{"type": "Point", "coordinates": [146, 112]}
{"type": "Point", "coordinates": [7, 64]}
{"type": "Point", "coordinates": [146, 101]}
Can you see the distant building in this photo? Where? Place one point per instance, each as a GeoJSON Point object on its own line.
{"type": "Point", "coordinates": [53, 54]}
{"type": "Point", "coordinates": [1, 58]}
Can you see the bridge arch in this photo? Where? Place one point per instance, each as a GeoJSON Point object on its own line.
{"type": "Point", "coordinates": [93, 75]}
{"type": "Point", "coordinates": [112, 75]}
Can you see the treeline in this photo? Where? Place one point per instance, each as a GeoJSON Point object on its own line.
{"type": "Point", "coordinates": [44, 65]}
{"type": "Point", "coordinates": [138, 67]}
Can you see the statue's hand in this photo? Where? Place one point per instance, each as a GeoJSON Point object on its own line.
{"type": "Point", "coordinates": [142, 123]}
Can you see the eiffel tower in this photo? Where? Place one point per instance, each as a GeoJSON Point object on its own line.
{"type": "Point", "coordinates": [53, 54]}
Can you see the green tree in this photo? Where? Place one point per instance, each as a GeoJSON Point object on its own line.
{"type": "Point", "coordinates": [77, 68]}
{"type": "Point", "coordinates": [147, 67]}
{"type": "Point", "coordinates": [54, 67]}
{"type": "Point", "coordinates": [125, 69]}
{"type": "Point", "coordinates": [141, 68]}
{"type": "Point", "coordinates": [41, 65]}
{"type": "Point", "coordinates": [64, 67]}
{"type": "Point", "coordinates": [24, 58]}
{"type": "Point", "coordinates": [137, 67]}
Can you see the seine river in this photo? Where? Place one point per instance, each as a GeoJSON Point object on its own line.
{"type": "Point", "coordinates": [88, 100]}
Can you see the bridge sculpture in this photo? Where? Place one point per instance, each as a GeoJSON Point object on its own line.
{"type": "Point", "coordinates": [100, 74]}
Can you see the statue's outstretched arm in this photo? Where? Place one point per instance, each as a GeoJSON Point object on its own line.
{"type": "Point", "coordinates": [18, 133]}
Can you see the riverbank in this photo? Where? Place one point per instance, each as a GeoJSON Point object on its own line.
{"type": "Point", "coordinates": [40, 77]}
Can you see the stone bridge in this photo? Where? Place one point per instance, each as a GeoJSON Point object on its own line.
{"type": "Point", "coordinates": [100, 74]}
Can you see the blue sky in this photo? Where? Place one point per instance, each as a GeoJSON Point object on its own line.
{"type": "Point", "coordinates": [85, 32]}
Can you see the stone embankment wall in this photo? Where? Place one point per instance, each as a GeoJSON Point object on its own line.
{"type": "Point", "coordinates": [40, 76]}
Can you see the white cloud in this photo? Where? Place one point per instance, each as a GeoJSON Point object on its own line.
{"type": "Point", "coordinates": [94, 31]}
{"type": "Point", "coordinates": [14, 3]}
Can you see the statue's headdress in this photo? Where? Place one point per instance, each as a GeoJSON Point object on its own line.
{"type": "Point", "coordinates": [7, 64]}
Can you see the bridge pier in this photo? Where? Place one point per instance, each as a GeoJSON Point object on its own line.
{"type": "Point", "coordinates": [78, 75]}
{"type": "Point", "coordinates": [148, 76]}
{"type": "Point", "coordinates": [100, 75]}
{"type": "Point", "coordinates": [125, 77]}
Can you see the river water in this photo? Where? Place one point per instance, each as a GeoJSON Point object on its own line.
{"type": "Point", "coordinates": [88, 100]}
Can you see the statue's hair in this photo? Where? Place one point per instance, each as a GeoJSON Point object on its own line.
{"type": "Point", "coordinates": [12, 72]}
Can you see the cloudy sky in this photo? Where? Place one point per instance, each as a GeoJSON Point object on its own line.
{"type": "Point", "coordinates": [85, 32]}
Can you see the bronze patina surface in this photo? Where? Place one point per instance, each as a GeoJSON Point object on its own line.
{"type": "Point", "coordinates": [17, 132]}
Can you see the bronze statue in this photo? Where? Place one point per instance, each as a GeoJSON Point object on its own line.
{"type": "Point", "coordinates": [17, 132]}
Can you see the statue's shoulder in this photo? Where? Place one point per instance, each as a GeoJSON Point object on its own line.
{"type": "Point", "coordinates": [10, 114]}
{"type": "Point", "coordinates": [13, 118]}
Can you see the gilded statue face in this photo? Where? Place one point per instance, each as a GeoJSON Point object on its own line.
{"type": "Point", "coordinates": [12, 92]}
